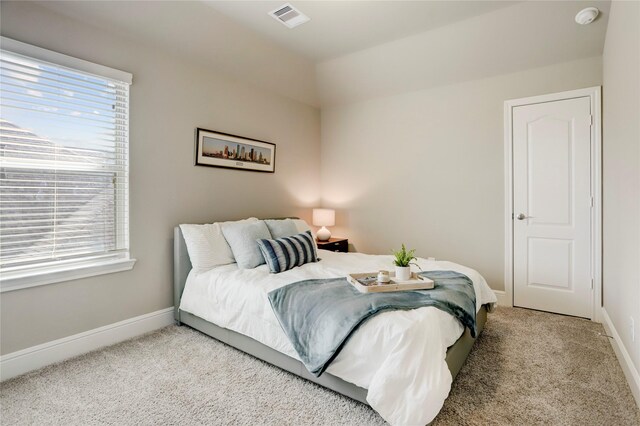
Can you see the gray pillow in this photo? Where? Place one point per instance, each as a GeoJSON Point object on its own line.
{"type": "Point", "coordinates": [242, 238]}
{"type": "Point", "coordinates": [281, 227]}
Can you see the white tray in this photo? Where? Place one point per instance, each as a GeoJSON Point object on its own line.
{"type": "Point", "coordinates": [361, 283]}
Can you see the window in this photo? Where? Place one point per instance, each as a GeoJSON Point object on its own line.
{"type": "Point", "coordinates": [64, 167]}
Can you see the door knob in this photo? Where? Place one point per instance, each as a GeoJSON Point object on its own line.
{"type": "Point", "coordinates": [521, 216]}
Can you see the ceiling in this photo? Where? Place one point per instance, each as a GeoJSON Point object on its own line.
{"type": "Point", "coordinates": [357, 49]}
{"type": "Point", "coordinates": [340, 27]}
{"type": "Point", "coordinates": [198, 34]}
{"type": "Point", "coordinates": [525, 36]}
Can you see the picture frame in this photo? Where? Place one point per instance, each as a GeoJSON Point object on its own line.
{"type": "Point", "coordinates": [217, 149]}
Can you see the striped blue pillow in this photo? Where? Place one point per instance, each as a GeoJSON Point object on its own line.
{"type": "Point", "coordinates": [286, 253]}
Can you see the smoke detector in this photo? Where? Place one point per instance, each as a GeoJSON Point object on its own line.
{"type": "Point", "coordinates": [587, 16]}
{"type": "Point", "coordinates": [289, 16]}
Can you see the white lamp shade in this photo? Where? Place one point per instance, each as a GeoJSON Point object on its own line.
{"type": "Point", "coordinates": [324, 217]}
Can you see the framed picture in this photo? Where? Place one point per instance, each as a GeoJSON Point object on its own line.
{"type": "Point", "coordinates": [217, 149]}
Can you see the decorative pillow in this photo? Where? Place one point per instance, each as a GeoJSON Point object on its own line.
{"type": "Point", "coordinates": [207, 246]}
{"type": "Point", "coordinates": [242, 238]}
{"type": "Point", "coordinates": [286, 253]}
{"type": "Point", "coordinates": [281, 227]}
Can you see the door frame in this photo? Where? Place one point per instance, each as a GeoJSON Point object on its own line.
{"type": "Point", "coordinates": [594, 94]}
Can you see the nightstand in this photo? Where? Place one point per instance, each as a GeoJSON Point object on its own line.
{"type": "Point", "coordinates": [334, 244]}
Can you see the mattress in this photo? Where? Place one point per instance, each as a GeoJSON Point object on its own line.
{"type": "Point", "coordinates": [399, 356]}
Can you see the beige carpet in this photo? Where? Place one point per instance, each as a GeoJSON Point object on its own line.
{"type": "Point", "coordinates": [527, 368]}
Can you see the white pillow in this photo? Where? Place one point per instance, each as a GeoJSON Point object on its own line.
{"type": "Point", "coordinates": [207, 246]}
{"type": "Point", "coordinates": [281, 228]}
{"type": "Point", "coordinates": [301, 225]}
{"type": "Point", "coordinates": [243, 239]}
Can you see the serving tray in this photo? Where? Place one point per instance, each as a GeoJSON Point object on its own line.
{"type": "Point", "coordinates": [368, 283]}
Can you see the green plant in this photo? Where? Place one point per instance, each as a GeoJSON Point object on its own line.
{"type": "Point", "coordinates": [403, 257]}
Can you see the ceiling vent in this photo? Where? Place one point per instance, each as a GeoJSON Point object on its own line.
{"type": "Point", "coordinates": [289, 16]}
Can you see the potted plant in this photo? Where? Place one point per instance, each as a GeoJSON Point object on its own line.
{"type": "Point", "coordinates": [403, 260]}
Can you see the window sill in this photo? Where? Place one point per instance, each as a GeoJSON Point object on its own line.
{"type": "Point", "coordinates": [26, 279]}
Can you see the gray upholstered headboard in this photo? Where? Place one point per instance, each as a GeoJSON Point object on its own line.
{"type": "Point", "coordinates": [181, 269]}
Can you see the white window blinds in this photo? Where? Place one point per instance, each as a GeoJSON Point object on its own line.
{"type": "Point", "coordinates": [64, 154]}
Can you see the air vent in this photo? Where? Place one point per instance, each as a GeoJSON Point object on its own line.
{"type": "Point", "coordinates": [289, 16]}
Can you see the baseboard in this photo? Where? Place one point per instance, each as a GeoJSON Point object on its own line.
{"type": "Point", "coordinates": [23, 361]}
{"type": "Point", "coordinates": [630, 371]}
{"type": "Point", "coordinates": [502, 298]}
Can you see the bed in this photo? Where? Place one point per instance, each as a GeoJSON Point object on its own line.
{"type": "Point", "coordinates": [230, 305]}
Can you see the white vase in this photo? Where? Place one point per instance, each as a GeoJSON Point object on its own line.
{"type": "Point", "coordinates": [403, 273]}
{"type": "Point", "coordinates": [323, 234]}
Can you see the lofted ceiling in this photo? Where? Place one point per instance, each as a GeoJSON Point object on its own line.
{"type": "Point", "coordinates": [201, 35]}
{"type": "Point", "coordinates": [354, 49]}
{"type": "Point", "coordinates": [340, 27]}
{"type": "Point", "coordinates": [527, 35]}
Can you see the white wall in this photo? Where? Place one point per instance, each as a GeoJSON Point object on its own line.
{"type": "Point", "coordinates": [426, 167]}
{"type": "Point", "coordinates": [170, 97]}
{"type": "Point", "coordinates": [621, 173]}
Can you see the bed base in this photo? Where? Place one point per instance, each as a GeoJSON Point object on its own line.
{"type": "Point", "coordinates": [456, 354]}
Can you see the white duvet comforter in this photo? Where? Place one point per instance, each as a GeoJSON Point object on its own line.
{"type": "Point", "coordinates": [399, 356]}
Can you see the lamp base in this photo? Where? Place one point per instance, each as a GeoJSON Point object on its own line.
{"type": "Point", "coordinates": [323, 234]}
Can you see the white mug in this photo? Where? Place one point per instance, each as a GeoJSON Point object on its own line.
{"type": "Point", "coordinates": [383, 277]}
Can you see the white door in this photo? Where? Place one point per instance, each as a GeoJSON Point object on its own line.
{"type": "Point", "coordinates": [552, 206]}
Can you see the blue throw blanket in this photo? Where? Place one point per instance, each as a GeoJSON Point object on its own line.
{"type": "Point", "coordinates": [318, 316]}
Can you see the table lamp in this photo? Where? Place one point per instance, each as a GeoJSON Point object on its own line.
{"type": "Point", "coordinates": [323, 218]}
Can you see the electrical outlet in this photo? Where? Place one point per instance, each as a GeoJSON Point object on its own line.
{"type": "Point", "coordinates": [632, 329]}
